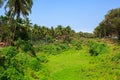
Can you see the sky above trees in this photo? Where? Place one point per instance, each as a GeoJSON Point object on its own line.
{"type": "Point", "coordinates": [81, 15]}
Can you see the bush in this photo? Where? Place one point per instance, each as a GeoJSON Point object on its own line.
{"type": "Point", "coordinates": [10, 67]}
{"type": "Point", "coordinates": [10, 51]}
{"type": "Point", "coordinates": [34, 64]}
{"type": "Point", "coordinates": [67, 40]}
{"type": "Point", "coordinates": [1, 72]}
{"type": "Point", "coordinates": [116, 57]}
{"type": "Point", "coordinates": [78, 46]}
{"type": "Point", "coordinates": [42, 58]}
{"type": "Point", "coordinates": [20, 66]}
{"type": "Point", "coordinates": [63, 47]}
{"type": "Point", "coordinates": [2, 60]}
{"type": "Point", "coordinates": [97, 48]}
{"type": "Point", "coordinates": [52, 48]}
{"type": "Point", "coordinates": [12, 74]}
{"type": "Point", "coordinates": [25, 46]}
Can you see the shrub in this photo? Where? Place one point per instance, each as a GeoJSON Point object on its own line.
{"type": "Point", "coordinates": [2, 60]}
{"type": "Point", "coordinates": [1, 72]}
{"type": "Point", "coordinates": [11, 74]}
{"type": "Point", "coordinates": [63, 47]}
{"type": "Point", "coordinates": [53, 48]}
{"type": "Point", "coordinates": [67, 39]}
{"type": "Point", "coordinates": [34, 64]}
{"type": "Point", "coordinates": [97, 48]}
{"type": "Point", "coordinates": [42, 58]}
{"type": "Point", "coordinates": [25, 46]}
{"type": "Point", "coordinates": [20, 66]}
{"type": "Point", "coordinates": [78, 46]}
{"type": "Point", "coordinates": [116, 57]}
{"type": "Point", "coordinates": [10, 52]}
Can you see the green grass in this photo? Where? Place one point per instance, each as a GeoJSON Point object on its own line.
{"type": "Point", "coordinates": [67, 65]}
{"type": "Point", "coordinates": [79, 65]}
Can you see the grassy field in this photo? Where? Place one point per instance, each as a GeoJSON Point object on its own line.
{"type": "Point", "coordinates": [79, 65]}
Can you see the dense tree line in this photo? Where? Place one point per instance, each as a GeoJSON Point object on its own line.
{"type": "Point", "coordinates": [12, 27]}
{"type": "Point", "coordinates": [25, 30]}
{"type": "Point", "coordinates": [110, 26]}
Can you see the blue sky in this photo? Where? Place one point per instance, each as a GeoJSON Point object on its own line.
{"type": "Point", "coordinates": [81, 15]}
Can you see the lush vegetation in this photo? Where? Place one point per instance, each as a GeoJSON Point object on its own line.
{"type": "Point", "coordinates": [109, 27]}
{"type": "Point", "coordinates": [33, 52]}
{"type": "Point", "coordinates": [87, 59]}
{"type": "Point", "coordinates": [80, 65]}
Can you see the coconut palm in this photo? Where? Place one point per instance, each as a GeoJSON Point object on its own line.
{"type": "Point", "coordinates": [17, 7]}
{"type": "Point", "coordinates": [59, 30]}
{"type": "Point", "coordinates": [1, 3]}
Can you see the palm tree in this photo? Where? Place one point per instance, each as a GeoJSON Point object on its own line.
{"type": "Point", "coordinates": [17, 7]}
{"type": "Point", "coordinates": [59, 30]}
{"type": "Point", "coordinates": [68, 30]}
{"type": "Point", "coordinates": [1, 3]}
{"type": "Point", "coordinates": [14, 8]}
{"type": "Point", "coordinates": [36, 32]}
{"type": "Point", "coordinates": [52, 32]}
{"type": "Point", "coordinates": [5, 30]}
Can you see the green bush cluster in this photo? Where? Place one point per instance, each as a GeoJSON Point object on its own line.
{"type": "Point", "coordinates": [52, 48]}
{"type": "Point", "coordinates": [25, 46]}
{"type": "Point", "coordinates": [11, 69]}
{"type": "Point", "coordinates": [97, 48]}
{"type": "Point", "coordinates": [15, 65]}
{"type": "Point", "coordinates": [78, 46]}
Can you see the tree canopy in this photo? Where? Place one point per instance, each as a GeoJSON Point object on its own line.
{"type": "Point", "coordinates": [110, 25]}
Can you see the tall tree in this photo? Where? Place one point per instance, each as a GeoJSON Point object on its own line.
{"type": "Point", "coordinates": [14, 9]}
{"type": "Point", "coordinates": [17, 7]}
{"type": "Point", "coordinates": [111, 24]}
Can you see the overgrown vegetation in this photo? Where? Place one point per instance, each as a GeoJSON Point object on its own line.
{"type": "Point", "coordinates": [16, 65]}
{"type": "Point", "coordinates": [97, 48]}
{"type": "Point", "coordinates": [80, 65]}
{"type": "Point", "coordinates": [109, 27]}
{"type": "Point", "coordinates": [32, 52]}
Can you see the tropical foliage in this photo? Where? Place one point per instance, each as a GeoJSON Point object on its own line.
{"type": "Point", "coordinates": [33, 52]}
{"type": "Point", "coordinates": [110, 25]}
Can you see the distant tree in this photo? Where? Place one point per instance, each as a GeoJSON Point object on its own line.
{"type": "Point", "coordinates": [68, 30]}
{"type": "Point", "coordinates": [59, 30]}
{"type": "Point", "coordinates": [35, 32]}
{"type": "Point", "coordinates": [52, 32]}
